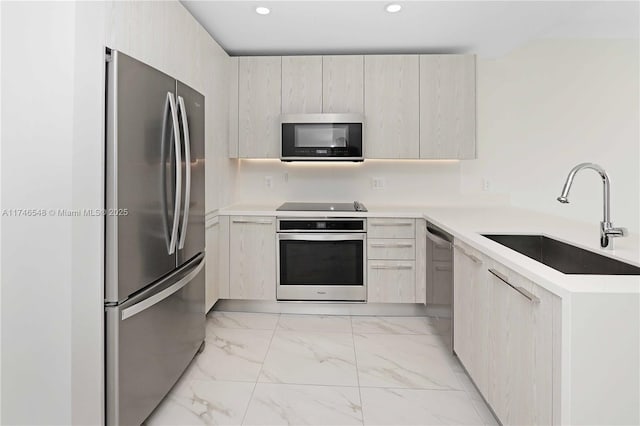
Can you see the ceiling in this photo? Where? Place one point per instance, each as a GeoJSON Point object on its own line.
{"type": "Point", "coordinates": [486, 28]}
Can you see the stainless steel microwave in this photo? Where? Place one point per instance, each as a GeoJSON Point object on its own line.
{"type": "Point", "coordinates": [322, 137]}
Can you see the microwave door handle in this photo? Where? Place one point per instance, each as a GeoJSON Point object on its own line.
{"type": "Point", "coordinates": [178, 188]}
{"type": "Point", "coordinates": [187, 164]}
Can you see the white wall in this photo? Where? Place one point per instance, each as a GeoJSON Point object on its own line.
{"type": "Point", "coordinates": [52, 156]}
{"type": "Point", "coordinates": [553, 104]}
{"type": "Point", "coordinates": [542, 109]}
{"type": "Point", "coordinates": [37, 135]}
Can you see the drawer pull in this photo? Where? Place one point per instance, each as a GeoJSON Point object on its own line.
{"type": "Point", "coordinates": [391, 224]}
{"type": "Point", "coordinates": [532, 297]}
{"type": "Point", "coordinates": [391, 245]}
{"type": "Point", "coordinates": [443, 268]}
{"type": "Point", "coordinates": [258, 222]}
{"type": "Point", "coordinates": [391, 267]}
{"type": "Point", "coordinates": [475, 259]}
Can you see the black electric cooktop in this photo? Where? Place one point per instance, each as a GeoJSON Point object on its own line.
{"type": "Point", "coordinates": [322, 207]}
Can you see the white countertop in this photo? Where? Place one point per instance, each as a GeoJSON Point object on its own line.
{"type": "Point", "coordinates": [373, 211]}
{"type": "Point", "coordinates": [466, 223]}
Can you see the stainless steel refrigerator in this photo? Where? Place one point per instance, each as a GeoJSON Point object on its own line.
{"type": "Point", "coordinates": [154, 254]}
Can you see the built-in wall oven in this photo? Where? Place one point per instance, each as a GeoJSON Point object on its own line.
{"type": "Point", "coordinates": [321, 259]}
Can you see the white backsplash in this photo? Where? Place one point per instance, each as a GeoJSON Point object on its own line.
{"type": "Point", "coordinates": [405, 182]}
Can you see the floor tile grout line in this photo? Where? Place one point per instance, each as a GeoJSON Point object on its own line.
{"type": "Point", "coordinates": [473, 400]}
{"type": "Point", "coordinates": [273, 333]}
{"type": "Point", "coordinates": [309, 384]}
{"type": "Point", "coordinates": [355, 386]}
{"type": "Point", "coordinates": [355, 357]}
{"type": "Point", "coordinates": [466, 390]}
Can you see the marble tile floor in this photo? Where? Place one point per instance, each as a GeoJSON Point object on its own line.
{"type": "Point", "coordinates": [270, 369]}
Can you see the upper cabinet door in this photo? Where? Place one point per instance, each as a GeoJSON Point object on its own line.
{"type": "Point", "coordinates": [448, 106]}
{"type": "Point", "coordinates": [301, 84]}
{"type": "Point", "coordinates": [391, 106]}
{"type": "Point", "coordinates": [343, 84]}
{"type": "Point", "coordinates": [259, 98]}
{"type": "Point", "coordinates": [233, 107]}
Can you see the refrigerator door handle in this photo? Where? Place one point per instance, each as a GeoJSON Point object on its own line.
{"type": "Point", "coordinates": [163, 173]}
{"type": "Point", "coordinates": [176, 147]}
{"type": "Point", "coordinates": [187, 161]}
{"type": "Point", "coordinates": [160, 296]}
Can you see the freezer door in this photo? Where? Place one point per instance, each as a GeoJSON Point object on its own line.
{"type": "Point", "coordinates": [141, 187]}
{"type": "Point", "coordinates": [150, 341]}
{"type": "Point", "coordinates": [191, 117]}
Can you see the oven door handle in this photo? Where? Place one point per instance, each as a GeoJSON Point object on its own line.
{"type": "Point", "coordinates": [322, 237]}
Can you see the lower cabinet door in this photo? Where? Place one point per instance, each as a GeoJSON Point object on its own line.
{"type": "Point", "coordinates": [252, 257]}
{"type": "Point", "coordinates": [212, 293]}
{"type": "Point", "coordinates": [471, 307]}
{"type": "Point", "coordinates": [391, 281]}
{"type": "Point", "coordinates": [520, 342]}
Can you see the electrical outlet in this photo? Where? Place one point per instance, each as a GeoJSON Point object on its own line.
{"type": "Point", "coordinates": [377, 183]}
{"type": "Point", "coordinates": [268, 181]}
{"type": "Point", "coordinates": [486, 184]}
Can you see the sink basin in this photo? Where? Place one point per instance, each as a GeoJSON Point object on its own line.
{"type": "Point", "coordinates": [564, 257]}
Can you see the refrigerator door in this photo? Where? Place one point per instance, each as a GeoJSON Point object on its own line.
{"type": "Point", "coordinates": [150, 341]}
{"type": "Point", "coordinates": [191, 117]}
{"type": "Point", "coordinates": [142, 180]}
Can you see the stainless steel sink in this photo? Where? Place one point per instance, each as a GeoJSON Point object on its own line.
{"type": "Point", "coordinates": [564, 257]}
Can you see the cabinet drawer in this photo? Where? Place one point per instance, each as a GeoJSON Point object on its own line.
{"type": "Point", "coordinates": [391, 228]}
{"type": "Point", "coordinates": [391, 281]}
{"type": "Point", "coordinates": [391, 248]}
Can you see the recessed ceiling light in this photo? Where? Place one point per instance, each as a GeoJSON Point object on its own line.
{"type": "Point", "coordinates": [261, 10]}
{"type": "Point", "coordinates": [393, 8]}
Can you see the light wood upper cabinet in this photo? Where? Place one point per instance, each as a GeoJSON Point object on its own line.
{"type": "Point", "coordinates": [252, 257]}
{"type": "Point", "coordinates": [391, 106]}
{"type": "Point", "coordinates": [343, 84]}
{"type": "Point", "coordinates": [447, 106]}
{"type": "Point", "coordinates": [259, 99]}
{"type": "Point", "coordinates": [415, 106]}
{"type": "Point", "coordinates": [233, 107]}
{"type": "Point", "coordinates": [301, 84]}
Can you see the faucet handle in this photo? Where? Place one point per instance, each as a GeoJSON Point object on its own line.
{"type": "Point", "coordinates": [617, 232]}
{"type": "Point", "coordinates": [608, 231]}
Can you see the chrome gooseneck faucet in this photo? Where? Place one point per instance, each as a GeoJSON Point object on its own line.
{"type": "Point", "coordinates": [607, 231]}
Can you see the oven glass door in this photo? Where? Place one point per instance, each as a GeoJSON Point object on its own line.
{"type": "Point", "coordinates": [321, 259]}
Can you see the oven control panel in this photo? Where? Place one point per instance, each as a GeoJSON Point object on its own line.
{"type": "Point", "coordinates": [321, 225]}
